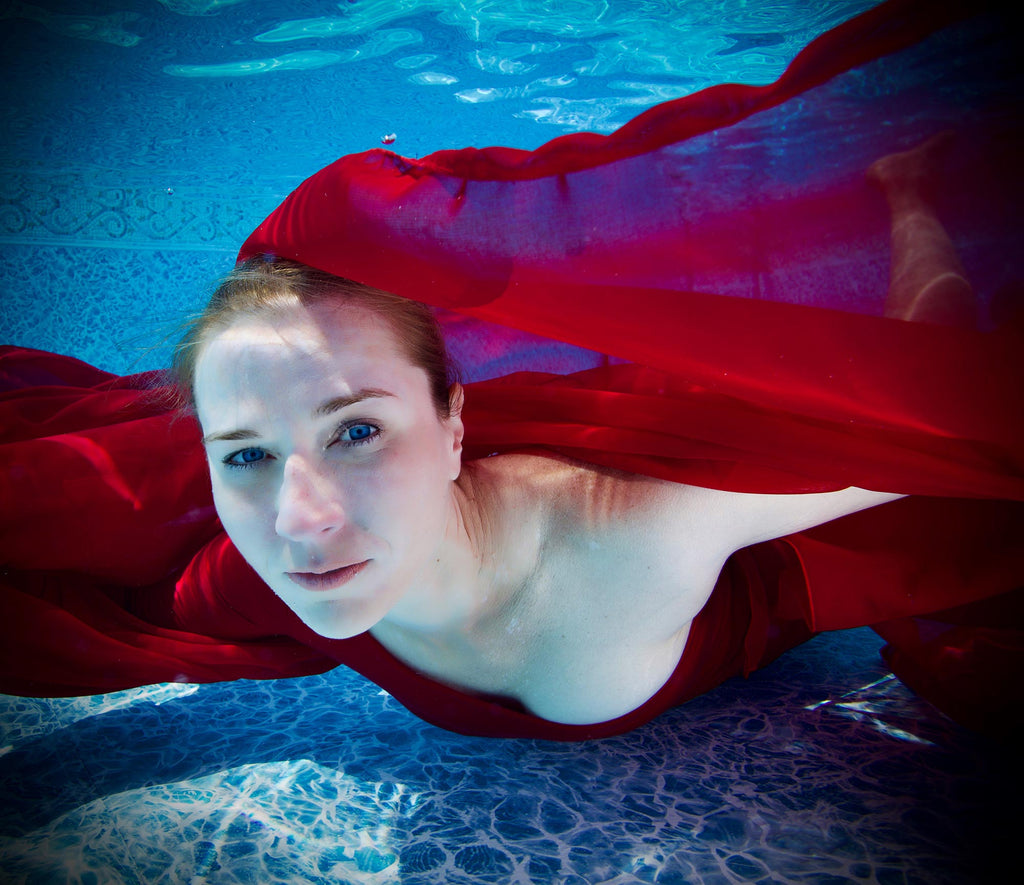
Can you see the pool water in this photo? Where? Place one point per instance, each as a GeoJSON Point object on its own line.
{"type": "Point", "coordinates": [142, 146]}
{"type": "Point", "coordinates": [143, 142]}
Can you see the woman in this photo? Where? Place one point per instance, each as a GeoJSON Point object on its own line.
{"type": "Point", "coordinates": [337, 475]}
{"type": "Point", "coordinates": [530, 593]}
{"type": "Point", "coordinates": [334, 441]}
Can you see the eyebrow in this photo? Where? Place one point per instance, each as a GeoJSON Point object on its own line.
{"type": "Point", "coordinates": [335, 404]}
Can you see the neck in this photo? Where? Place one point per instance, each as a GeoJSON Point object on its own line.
{"type": "Point", "coordinates": [472, 582]}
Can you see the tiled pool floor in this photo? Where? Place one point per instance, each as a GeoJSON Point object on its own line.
{"type": "Point", "coordinates": [821, 769]}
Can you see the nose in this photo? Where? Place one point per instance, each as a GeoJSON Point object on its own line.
{"type": "Point", "coordinates": [309, 504]}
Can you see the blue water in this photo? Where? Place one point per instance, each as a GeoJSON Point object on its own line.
{"type": "Point", "coordinates": [140, 148]}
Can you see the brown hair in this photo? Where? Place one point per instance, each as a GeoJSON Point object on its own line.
{"type": "Point", "coordinates": [263, 283]}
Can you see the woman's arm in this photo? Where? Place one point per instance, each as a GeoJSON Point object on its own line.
{"type": "Point", "coordinates": [736, 520]}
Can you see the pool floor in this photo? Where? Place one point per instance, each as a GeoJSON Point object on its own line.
{"type": "Point", "coordinates": [821, 769]}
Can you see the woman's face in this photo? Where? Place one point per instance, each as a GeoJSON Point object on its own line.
{"type": "Point", "coordinates": [332, 472]}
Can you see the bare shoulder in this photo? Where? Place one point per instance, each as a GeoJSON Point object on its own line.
{"type": "Point", "coordinates": [624, 528]}
{"type": "Point", "coordinates": [581, 507]}
{"type": "Point", "coordinates": [656, 515]}
{"type": "Point", "coordinates": [727, 521]}
{"type": "Point", "coordinates": [576, 495]}
{"type": "Point", "coordinates": [647, 550]}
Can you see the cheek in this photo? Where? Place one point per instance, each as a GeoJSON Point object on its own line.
{"type": "Point", "coordinates": [427, 467]}
{"type": "Point", "coordinates": [239, 510]}
{"type": "Point", "coordinates": [412, 480]}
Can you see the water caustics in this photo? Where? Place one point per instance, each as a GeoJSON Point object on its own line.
{"type": "Point", "coordinates": [381, 43]}
{"type": "Point", "coordinates": [199, 7]}
{"type": "Point", "coordinates": [589, 64]}
{"type": "Point", "coordinates": [290, 61]}
{"type": "Point", "coordinates": [101, 28]}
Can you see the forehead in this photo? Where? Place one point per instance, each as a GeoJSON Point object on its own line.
{"type": "Point", "coordinates": [300, 351]}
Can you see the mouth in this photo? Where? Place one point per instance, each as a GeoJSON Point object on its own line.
{"type": "Point", "coordinates": [329, 580]}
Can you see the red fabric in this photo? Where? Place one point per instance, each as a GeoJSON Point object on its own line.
{"type": "Point", "coordinates": [86, 611]}
{"type": "Point", "coordinates": [106, 499]}
{"type": "Point", "coordinates": [746, 288]}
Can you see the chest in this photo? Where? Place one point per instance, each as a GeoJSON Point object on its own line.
{"type": "Point", "coordinates": [602, 620]}
{"type": "Point", "coordinates": [594, 636]}
{"type": "Point", "coordinates": [603, 633]}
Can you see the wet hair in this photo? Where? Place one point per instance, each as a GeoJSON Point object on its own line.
{"type": "Point", "coordinates": [268, 284]}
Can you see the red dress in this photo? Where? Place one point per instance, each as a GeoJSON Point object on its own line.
{"type": "Point", "coordinates": [722, 291]}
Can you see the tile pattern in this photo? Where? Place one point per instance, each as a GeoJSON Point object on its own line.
{"type": "Point", "coordinates": [821, 769]}
{"type": "Point", "coordinates": [116, 207]}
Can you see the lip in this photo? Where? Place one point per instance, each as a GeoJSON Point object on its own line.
{"type": "Point", "coordinates": [329, 580]}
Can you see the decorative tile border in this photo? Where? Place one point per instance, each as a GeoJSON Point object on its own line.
{"type": "Point", "coordinates": [107, 207]}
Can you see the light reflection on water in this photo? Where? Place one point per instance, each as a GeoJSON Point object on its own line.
{"type": "Point", "coordinates": [610, 58]}
{"type": "Point", "coordinates": [874, 704]}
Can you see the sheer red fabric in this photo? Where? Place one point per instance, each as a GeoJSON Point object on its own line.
{"type": "Point", "coordinates": [729, 247]}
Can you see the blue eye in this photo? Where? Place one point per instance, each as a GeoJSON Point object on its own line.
{"type": "Point", "coordinates": [245, 458]}
{"type": "Point", "coordinates": [358, 434]}
{"type": "Point", "coordinates": [360, 431]}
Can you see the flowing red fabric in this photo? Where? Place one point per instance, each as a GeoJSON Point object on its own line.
{"type": "Point", "coordinates": [728, 246]}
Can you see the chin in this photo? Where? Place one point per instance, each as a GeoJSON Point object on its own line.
{"type": "Point", "coordinates": [337, 625]}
